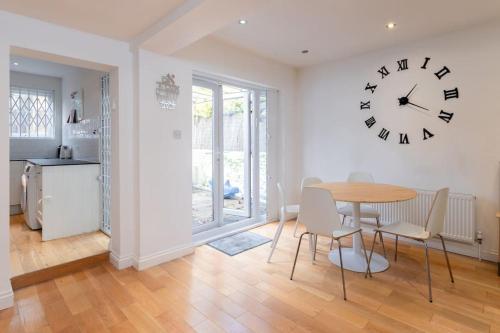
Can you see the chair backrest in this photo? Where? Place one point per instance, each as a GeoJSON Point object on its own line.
{"type": "Point", "coordinates": [309, 181]}
{"type": "Point", "coordinates": [360, 177]}
{"type": "Point", "coordinates": [318, 211]}
{"type": "Point", "coordinates": [437, 213]}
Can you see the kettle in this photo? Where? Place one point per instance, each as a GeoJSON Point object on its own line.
{"type": "Point", "coordinates": [65, 152]}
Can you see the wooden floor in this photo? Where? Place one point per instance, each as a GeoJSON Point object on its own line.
{"type": "Point", "coordinates": [211, 292]}
{"type": "Point", "coordinates": [28, 253]}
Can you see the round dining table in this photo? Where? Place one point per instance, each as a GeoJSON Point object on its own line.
{"type": "Point", "coordinates": [357, 194]}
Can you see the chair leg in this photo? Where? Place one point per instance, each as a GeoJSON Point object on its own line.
{"type": "Point", "coordinates": [427, 263]}
{"type": "Point", "coordinates": [366, 255]}
{"type": "Point", "coordinates": [342, 267]}
{"type": "Point", "coordinates": [381, 238]}
{"type": "Point", "coordinates": [311, 246]}
{"type": "Point", "coordinates": [296, 225]}
{"type": "Point", "coordinates": [315, 246]}
{"type": "Point", "coordinates": [371, 252]}
{"type": "Point", "coordinates": [297, 254]}
{"type": "Point", "coordinates": [447, 259]}
{"type": "Point", "coordinates": [396, 253]}
{"type": "Point", "coordinates": [343, 219]}
{"type": "Point", "coordinates": [331, 244]}
{"type": "Point", "coordinates": [276, 238]}
{"type": "Point", "coordinates": [383, 246]}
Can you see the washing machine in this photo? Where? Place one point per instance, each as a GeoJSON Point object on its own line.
{"type": "Point", "coordinates": [28, 202]}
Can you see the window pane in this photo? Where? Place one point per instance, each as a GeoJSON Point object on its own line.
{"type": "Point", "coordinates": [31, 113]}
{"type": "Point", "coordinates": [203, 156]}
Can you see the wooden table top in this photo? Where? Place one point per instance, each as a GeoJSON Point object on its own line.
{"type": "Point", "coordinates": [367, 192]}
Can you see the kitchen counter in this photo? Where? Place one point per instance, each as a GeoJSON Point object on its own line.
{"type": "Point", "coordinates": [58, 162]}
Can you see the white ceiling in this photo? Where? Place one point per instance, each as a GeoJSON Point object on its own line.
{"type": "Point", "coordinates": [334, 29]}
{"type": "Point", "coordinates": [120, 19]}
{"type": "Point", "coordinates": [276, 29]}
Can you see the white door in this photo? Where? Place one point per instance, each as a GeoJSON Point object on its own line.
{"type": "Point", "coordinates": [227, 163]}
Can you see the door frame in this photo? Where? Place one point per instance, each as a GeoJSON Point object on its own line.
{"type": "Point", "coordinates": [252, 187]}
{"type": "Point", "coordinates": [217, 187]}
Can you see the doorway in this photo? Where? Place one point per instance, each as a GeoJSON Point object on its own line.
{"type": "Point", "coordinates": [60, 162]}
{"type": "Point", "coordinates": [229, 142]}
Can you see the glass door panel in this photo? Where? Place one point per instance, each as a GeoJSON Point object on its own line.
{"type": "Point", "coordinates": [204, 186]}
{"type": "Point", "coordinates": [236, 153]}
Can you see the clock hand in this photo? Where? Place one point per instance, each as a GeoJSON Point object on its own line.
{"type": "Point", "coordinates": [422, 111]}
{"type": "Point", "coordinates": [418, 106]}
{"type": "Point", "coordinates": [411, 91]}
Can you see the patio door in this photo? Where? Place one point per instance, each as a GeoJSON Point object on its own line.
{"type": "Point", "coordinates": [227, 164]}
{"type": "Point", "coordinates": [236, 138]}
{"type": "Point", "coordinates": [205, 156]}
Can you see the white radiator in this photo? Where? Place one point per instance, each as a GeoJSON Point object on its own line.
{"type": "Point", "coordinates": [460, 222]}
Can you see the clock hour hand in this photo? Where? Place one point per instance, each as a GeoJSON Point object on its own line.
{"type": "Point", "coordinates": [418, 106]}
{"type": "Point", "coordinates": [411, 91]}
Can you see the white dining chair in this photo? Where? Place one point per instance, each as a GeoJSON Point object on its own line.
{"type": "Point", "coordinates": [305, 182]}
{"type": "Point", "coordinates": [318, 213]}
{"type": "Point", "coordinates": [285, 210]}
{"type": "Point", "coordinates": [367, 211]}
{"type": "Point", "coordinates": [433, 227]}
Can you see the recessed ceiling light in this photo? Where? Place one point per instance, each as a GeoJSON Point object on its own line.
{"type": "Point", "coordinates": [304, 51]}
{"type": "Point", "coordinates": [390, 25]}
{"type": "Point", "coordinates": [242, 21]}
{"type": "Point", "coordinates": [15, 63]}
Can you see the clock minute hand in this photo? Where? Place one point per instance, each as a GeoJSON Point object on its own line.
{"type": "Point", "coordinates": [418, 106]}
{"type": "Point", "coordinates": [411, 91]}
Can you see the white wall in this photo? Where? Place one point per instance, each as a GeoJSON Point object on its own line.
{"type": "Point", "coordinates": [89, 81]}
{"type": "Point", "coordinates": [212, 56]}
{"type": "Point", "coordinates": [22, 148]}
{"type": "Point", "coordinates": [85, 50]}
{"type": "Point", "coordinates": [6, 295]}
{"type": "Point", "coordinates": [463, 155]}
{"type": "Point", "coordinates": [164, 163]}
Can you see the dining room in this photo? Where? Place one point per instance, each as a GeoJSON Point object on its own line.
{"type": "Point", "coordinates": [281, 166]}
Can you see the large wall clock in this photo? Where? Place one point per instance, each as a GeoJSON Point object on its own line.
{"type": "Point", "coordinates": [409, 101]}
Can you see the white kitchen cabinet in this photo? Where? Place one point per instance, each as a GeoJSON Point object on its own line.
{"type": "Point", "coordinates": [68, 200]}
{"type": "Point", "coordinates": [16, 189]}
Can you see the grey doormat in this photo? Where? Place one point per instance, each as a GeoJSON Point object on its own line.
{"type": "Point", "coordinates": [238, 243]}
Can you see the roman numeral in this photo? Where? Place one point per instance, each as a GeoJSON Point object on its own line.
{"type": "Point", "coordinates": [403, 139]}
{"type": "Point", "coordinates": [442, 72]}
{"type": "Point", "coordinates": [445, 116]}
{"type": "Point", "coordinates": [384, 134]}
{"type": "Point", "coordinates": [424, 66]}
{"type": "Point", "coordinates": [365, 105]}
{"type": "Point", "coordinates": [453, 93]}
{"type": "Point", "coordinates": [383, 71]}
{"type": "Point", "coordinates": [370, 87]}
{"type": "Point", "coordinates": [427, 134]}
{"type": "Point", "coordinates": [370, 122]}
{"type": "Point", "coordinates": [402, 65]}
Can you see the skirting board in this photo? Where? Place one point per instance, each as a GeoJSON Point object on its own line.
{"type": "Point", "coordinates": [121, 263]}
{"type": "Point", "coordinates": [6, 299]}
{"type": "Point", "coordinates": [160, 257]}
